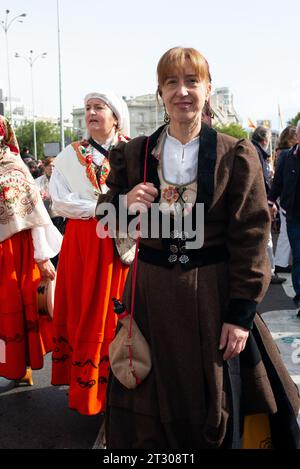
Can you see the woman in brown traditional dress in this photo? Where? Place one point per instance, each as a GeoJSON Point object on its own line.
{"type": "Point", "coordinates": [216, 373]}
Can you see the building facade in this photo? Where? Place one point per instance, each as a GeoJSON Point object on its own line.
{"type": "Point", "coordinates": [223, 108]}
{"type": "Point", "coordinates": [147, 113]}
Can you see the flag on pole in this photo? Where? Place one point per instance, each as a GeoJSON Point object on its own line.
{"type": "Point", "coordinates": [251, 124]}
{"type": "Point", "coordinates": [280, 123]}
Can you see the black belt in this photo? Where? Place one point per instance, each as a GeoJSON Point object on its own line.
{"type": "Point", "coordinates": [188, 259]}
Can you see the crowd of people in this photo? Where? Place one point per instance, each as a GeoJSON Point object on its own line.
{"type": "Point", "coordinates": [216, 379]}
{"type": "Point", "coordinates": [36, 167]}
{"type": "Point", "coordinates": [286, 188]}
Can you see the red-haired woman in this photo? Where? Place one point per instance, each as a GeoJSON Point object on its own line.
{"type": "Point", "coordinates": [214, 364]}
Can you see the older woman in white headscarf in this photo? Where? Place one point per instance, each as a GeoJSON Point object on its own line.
{"type": "Point", "coordinates": [89, 272]}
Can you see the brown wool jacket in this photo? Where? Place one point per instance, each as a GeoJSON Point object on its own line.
{"type": "Point", "coordinates": [231, 185]}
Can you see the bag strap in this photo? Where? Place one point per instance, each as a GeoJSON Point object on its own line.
{"type": "Point", "coordinates": [98, 147]}
{"type": "Point", "coordinates": [135, 262]}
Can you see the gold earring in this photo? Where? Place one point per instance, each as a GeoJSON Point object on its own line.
{"type": "Point", "coordinates": [166, 116]}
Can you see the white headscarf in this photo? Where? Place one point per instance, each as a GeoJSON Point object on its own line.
{"type": "Point", "coordinates": [117, 105]}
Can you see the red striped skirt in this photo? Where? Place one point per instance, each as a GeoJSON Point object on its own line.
{"type": "Point", "coordinates": [26, 335]}
{"type": "Point", "coordinates": [89, 275]}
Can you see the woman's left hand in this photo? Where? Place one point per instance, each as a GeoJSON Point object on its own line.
{"type": "Point", "coordinates": [234, 338]}
{"type": "Point", "coordinates": [47, 269]}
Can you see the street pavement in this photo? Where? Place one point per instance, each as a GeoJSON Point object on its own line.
{"type": "Point", "coordinates": [281, 319]}
{"type": "Point", "coordinates": [38, 416]}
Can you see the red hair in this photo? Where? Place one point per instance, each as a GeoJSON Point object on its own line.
{"type": "Point", "coordinates": [174, 60]}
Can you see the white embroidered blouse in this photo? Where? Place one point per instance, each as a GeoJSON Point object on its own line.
{"type": "Point", "coordinates": [177, 171]}
{"type": "Point", "coordinates": [67, 200]}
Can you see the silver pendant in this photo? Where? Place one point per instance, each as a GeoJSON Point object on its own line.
{"type": "Point", "coordinates": [172, 258]}
{"type": "Point", "coordinates": [184, 259]}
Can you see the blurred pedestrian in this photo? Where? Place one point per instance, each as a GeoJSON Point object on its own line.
{"type": "Point", "coordinates": [26, 155]}
{"type": "Point", "coordinates": [261, 140]}
{"type": "Point", "coordinates": [286, 185]}
{"type": "Point", "coordinates": [43, 184]}
{"type": "Point", "coordinates": [34, 168]}
{"type": "Point", "coordinates": [288, 138]}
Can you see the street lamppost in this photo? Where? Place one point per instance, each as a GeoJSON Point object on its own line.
{"type": "Point", "coordinates": [62, 135]}
{"type": "Point", "coordinates": [31, 60]}
{"type": "Point", "coordinates": [6, 24]}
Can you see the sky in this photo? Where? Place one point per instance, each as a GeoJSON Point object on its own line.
{"type": "Point", "coordinates": [252, 47]}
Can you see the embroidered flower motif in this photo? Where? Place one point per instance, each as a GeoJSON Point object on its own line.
{"type": "Point", "coordinates": [3, 191]}
{"type": "Point", "coordinates": [89, 159]}
{"type": "Point", "coordinates": [103, 174]}
{"type": "Point", "coordinates": [123, 138]}
{"type": "Point", "coordinates": [85, 157]}
{"type": "Point", "coordinates": [170, 194]}
{"type": "Point", "coordinates": [17, 196]}
{"type": "Point", "coordinates": [86, 151]}
{"type": "Point", "coordinates": [8, 194]}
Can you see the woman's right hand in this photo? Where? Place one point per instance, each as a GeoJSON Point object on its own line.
{"type": "Point", "coordinates": [273, 212]}
{"type": "Point", "coordinates": [47, 269]}
{"type": "Point", "coordinates": [143, 195]}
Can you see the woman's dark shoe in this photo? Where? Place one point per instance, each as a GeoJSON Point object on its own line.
{"type": "Point", "coordinates": [277, 280]}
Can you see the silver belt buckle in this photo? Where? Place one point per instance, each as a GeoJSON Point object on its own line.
{"type": "Point", "coordinates": [172, 258]}
{"type": "Point", "coordinates": [184, 259]}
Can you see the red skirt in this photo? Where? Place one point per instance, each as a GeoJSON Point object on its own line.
{"type": "Point", "coordinates": [26, 335]}
{"type": "Point", "coordinates": [89, 275]}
